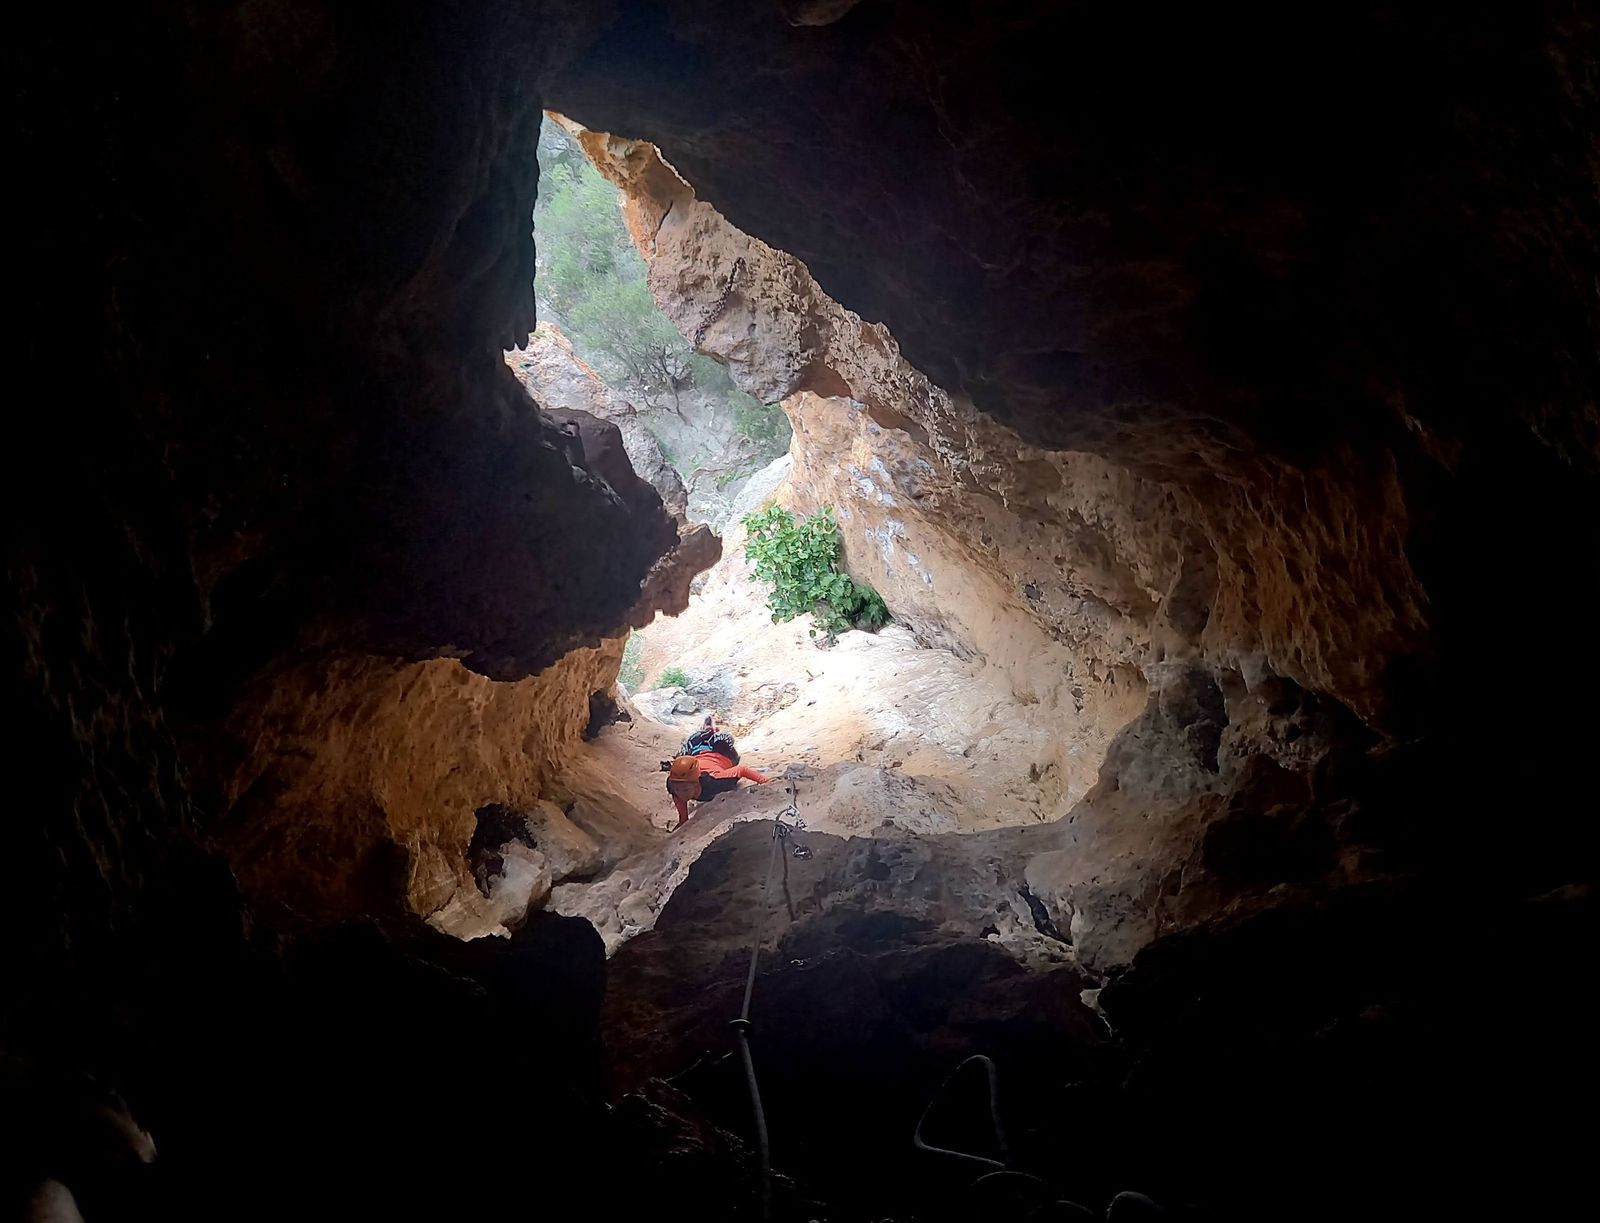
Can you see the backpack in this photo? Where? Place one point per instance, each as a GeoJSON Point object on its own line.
{"type": "Point", "coordinates": [707, 739]}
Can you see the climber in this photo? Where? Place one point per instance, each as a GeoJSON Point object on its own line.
{"type": "Point", "coordinates": [706, 765]}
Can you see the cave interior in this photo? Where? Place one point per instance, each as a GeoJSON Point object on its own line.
{"type": "Point", "coordinates": [1208, 392]}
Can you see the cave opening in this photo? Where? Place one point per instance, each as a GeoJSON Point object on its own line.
{"type": "Point", "coordinates": [963, 713]}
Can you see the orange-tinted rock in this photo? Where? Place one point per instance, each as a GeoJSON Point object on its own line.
{"type": "Point", "coordinates": [359, 779]}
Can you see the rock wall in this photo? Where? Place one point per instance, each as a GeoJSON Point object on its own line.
{"type": "Point", "coordinates": [1089, 588]}
{"type": "Point", "coordinates": [557, 377]}
{"type": "Point", "coordinates": [358, 781]}
{"type": "Point", "coordinates": [349, 782]}
{"type": "Point", "coordinates": [1175, 279]}
{"type": "Point", "coordinates": [352, 781]}
{"type": "Point", "coordinates": [882, 968]}
{"type": "Point", "coordinates": [1052, 568]}
{"type": "Point", "coordinates": [1123, 568]}
{"type": "Point", "coordinates": [275, 254]}
{"type": "Point", "coordinates": [1176, 509]}
{"type": "Point", "coordinates": [1266, 614]}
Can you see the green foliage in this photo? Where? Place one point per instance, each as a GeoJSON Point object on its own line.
{"type": "Point", "coordinates": [592, 279]}
{"type": "Point", "coordinates": [632, 673]}
{"type": "Point", "coordinates": [673, 677]}
{"type": "Point", "coordinates": [579, 234]}
{"type": "Point", "coordinates": [629, 341]}
{"type": "Point", "coordinates": [799, 560]}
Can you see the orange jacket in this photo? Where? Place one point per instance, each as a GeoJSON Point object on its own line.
{"type": "Point", "coordinates": [715, 764]}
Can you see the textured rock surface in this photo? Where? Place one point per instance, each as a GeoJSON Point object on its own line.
{"type": "Point", "coordinates": [353, 779]}
{"type": "Point", "coordinates": [353, 774]}
{"type": "Point", "coordinates": [1083, 580]}
{"type": "Point", "coordinates": [911, 470]}
{"type": "Point", "coordinates": [843, 802]}
{"type": "Point", "coordinates": [883, 969]}
{"type": "Point", "coordinates": [1169, 272]}
{"type": "Point", "coordinates": [1000, 726]}
{"type": "Point", "coordinates": [557, 377]}
{"type": "Point", "coordinates": [1077, 589]}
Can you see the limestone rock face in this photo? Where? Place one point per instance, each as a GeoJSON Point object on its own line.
{"type": "Point", "coordinates": [570, 851]}
{"type": "Point", "coordinates": [1125, 847]}
{"type": "Point", "coordinates": [557, 377]}
{"type": "Point", "coordinates": [967, 528]}
{"type": "Point", "coordinates": [1084, 587]}
{"type": "Point", "coordinates": [355, 775]}
{"type": "Point", "coordinates": [579, 402]}
{"type": "Point", "coordinates": [888, 958]}
{"type": "Point", "coordinates": [1091, 582]}
{"type": "Point", "coordinates": [516, 857]}
{"type": "Point", "coordinates": [355, 778]}
{"type": "Point", "coordinates": [1165, 285]}
{"type": "Point", "coordinates": [287, 434]}
{"type": "Point", "coordinates": [848, 804]}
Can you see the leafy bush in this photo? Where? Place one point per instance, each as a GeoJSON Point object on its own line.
{"type": "Point", "coordinates": [673, 677]}
{"type": "Point", "coordinates": [799, 559]}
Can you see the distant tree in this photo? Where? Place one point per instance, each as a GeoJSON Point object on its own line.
{"type": "Point", "coordinates": [631, 342]}
{"type": "Point", "coordinates": [593, 282]}
{"type": "Point", "coordinates": [581, 240]}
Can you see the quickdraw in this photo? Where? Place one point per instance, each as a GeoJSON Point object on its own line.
{"type": "Point", "coordinates": [722, 303]}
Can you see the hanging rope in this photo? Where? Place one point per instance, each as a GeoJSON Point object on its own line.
{"type": "Point", "coordinates": [1001, 1147]}
{"type": "Point", "coordinates": [1003, 1186]}
{"type": "Point", "coordinates": [741, 1026]}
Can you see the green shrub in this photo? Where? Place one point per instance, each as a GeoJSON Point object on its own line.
{"type": "Point", "coordinates": [799, 560]}
{"type": "Point", "coordinates": [673, 677]}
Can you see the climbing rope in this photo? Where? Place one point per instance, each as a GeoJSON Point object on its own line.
{"type": "Point", "coordinates": [781, 832]}
{"type": "Point", "coordinates": [993, 1077]}
{"type": "Point", "coordinates": [722, 302]}
{"type": "Point", "coordinates": [1000, 1181]}
{"type": "Point", "coordinates": [1004, 1186]}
